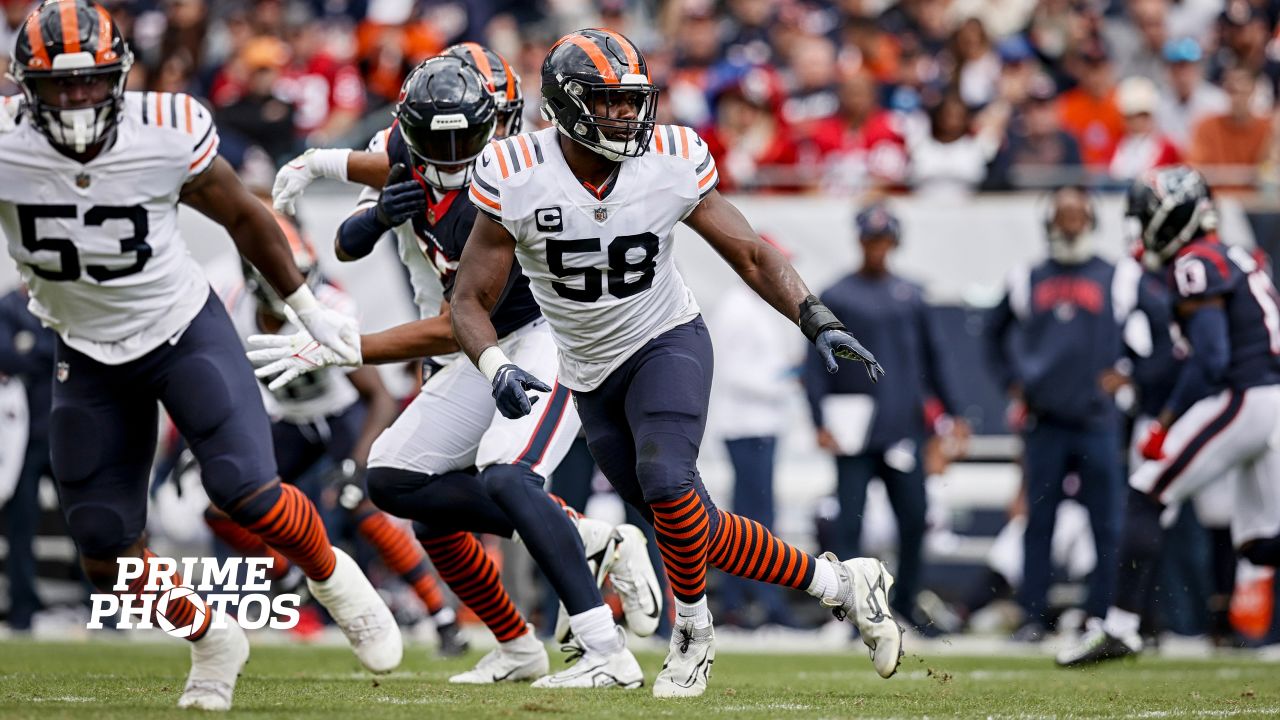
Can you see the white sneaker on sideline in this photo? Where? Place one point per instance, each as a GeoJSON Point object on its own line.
{"type": "Point", "coordinates": [216, 661]}
{"type": "Point", "coordinates": [361, 614]}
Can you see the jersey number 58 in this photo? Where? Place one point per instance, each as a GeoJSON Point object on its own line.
{"type": "Point", "coordinates": [593, 284]}
{"type": "Point", "coordinates": [68, 267]}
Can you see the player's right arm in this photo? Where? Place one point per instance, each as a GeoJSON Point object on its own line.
{"type": "Point", "coordinates": [481, 281]}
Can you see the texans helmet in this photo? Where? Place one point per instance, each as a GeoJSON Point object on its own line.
{"type": "Point", "coordinates": [1168, 208]}
{"type": "Point", "coordinates": [72, 62]}
{"type": "Point", "coordinates": [596, 90]}
{"type": "Point", "coordinates": [446, 115]}
{"type": "Point", "coordinates": [503, 81]}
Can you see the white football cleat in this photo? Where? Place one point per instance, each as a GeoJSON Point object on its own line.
{"type": "Point", "coordinates": [521, 659]}
{"type": "Point", "coordinates": [688, 665]}
{"type": "Point", "coordinates": [863, 594]}
{"type": "Point", "coordinates": [216, 661]}
{"type": "Point", "coordinates": [593, 669]}
{"type": "Point", "coordinates": [361, 614]}
{"type": "Point", "coordinates": [600, 543]}
{"type": "Point", "coordinates": [636, 581]}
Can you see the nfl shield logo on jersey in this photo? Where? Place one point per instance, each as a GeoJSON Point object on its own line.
{"type": "Point", "coordinates": [601, 214]}
{"type": "Point", "coordinates": [64, 370]}
{"type": "Point", "coordinates": [82, 180]}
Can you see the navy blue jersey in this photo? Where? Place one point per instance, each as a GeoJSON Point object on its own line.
{"type": "Point", "coordinates": [442, 231]}
{"type": "Point", "coordinates": [1208, 269]}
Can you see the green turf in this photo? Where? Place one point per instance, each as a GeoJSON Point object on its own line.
{"type": "Point", "coordinates": [120, 680]}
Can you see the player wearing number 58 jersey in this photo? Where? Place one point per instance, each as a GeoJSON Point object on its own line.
{"type": "Point", "coordinates": [92, 177]}
{"type": "Point", "coordinates": [1220, 419]}
{"type": "Point", "coordinates": [589, 207]}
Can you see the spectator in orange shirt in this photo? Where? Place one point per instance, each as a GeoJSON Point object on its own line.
{"type": "Point", "coordinates": [1237, 138]}
{"type": "Point", "coordinates": [1089, 110]}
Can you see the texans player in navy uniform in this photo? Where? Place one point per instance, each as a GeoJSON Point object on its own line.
{"type": "Point", "coordinates": [1221, 414]}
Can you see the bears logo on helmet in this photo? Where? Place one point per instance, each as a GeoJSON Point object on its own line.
{"type": "Point", "coordinates": [596, 91]}
{"type": "Point", "coordinates": [72, 62]}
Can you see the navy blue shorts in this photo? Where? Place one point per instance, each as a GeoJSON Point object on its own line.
{"type": "Point", "coordinates": [104, 423]}
{"type": "Point", "coordinates": [299, 447]}
{"type": "Point", "coordinates": [644, 424]}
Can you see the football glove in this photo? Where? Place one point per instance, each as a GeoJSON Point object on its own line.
{"type": "Point", "coordinates": [298, 173]}
{"type": "Point", "coordinates": [836, 343]}
{"type": "Point", "coordinates": [327, 326]}
{"type": "Point", "coordinates": [285, 358]}
{"type": "Point", "coordinates": [401, 198]}
{"type": "Point", "coordinates": [510, 390]}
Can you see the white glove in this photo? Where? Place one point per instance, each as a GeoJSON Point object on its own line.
{"type": "Point", "coordinates": [298, 173]}
{"type": "Point", "coordinates": [9, 107]}
{"type": "Point", "coordinates": [289, 357]}
{"type": "Point", "coordinates": [337, 332]}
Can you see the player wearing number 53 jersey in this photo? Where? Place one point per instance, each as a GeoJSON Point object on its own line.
{"type": "Point", "coordinates": [1221, 417]}
{"type": "Point", "coordinates": [88, 206]}
{"type": "Point", "coordinates": [589, 207]}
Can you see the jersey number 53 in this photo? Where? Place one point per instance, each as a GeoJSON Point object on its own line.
{"type": "Point", "coordinates": [68, 266]}
{"type": "Point", "coordinates": [643, 251]}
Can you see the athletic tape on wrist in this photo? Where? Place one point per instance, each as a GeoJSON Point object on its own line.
{"type": "Point", "coordinates": [491, 361]}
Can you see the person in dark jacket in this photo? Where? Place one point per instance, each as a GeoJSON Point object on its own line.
{"type": "Point", "coordinates": [1052, 340]}
{"type": "Point", "coordinates": [26, 353]}
{"type": "Point", "coordinates": [879, 429]}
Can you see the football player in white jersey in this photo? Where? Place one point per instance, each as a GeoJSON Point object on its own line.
{"type": "Point", "coordinates": [588, 208]}
{"type": "Point", "coordinates": [421, 467]}
{"type": "Point", "coordinates": [92, 179]}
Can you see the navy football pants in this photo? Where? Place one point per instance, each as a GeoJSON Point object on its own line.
{"type": "Point", "coordinates": [105, 421]}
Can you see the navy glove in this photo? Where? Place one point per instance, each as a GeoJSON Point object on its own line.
{"type": "Point", "coordinates": [401, 197]}
{"type": "Point", "coordinates": [510, 388]}
{"type": "Point", "coordinates": [836, 343]}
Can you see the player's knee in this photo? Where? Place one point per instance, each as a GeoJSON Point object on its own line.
{"type": "Point", "coordinates": [663, 469]}
{"type": "Point", "coordinates": [248, 508]}
{"type": "Point", "coordinates": [101, 531]}
{"type": "Point", "coordinates": [1265, 551]}
{"type": "Point", "coordinates": [509, 481]}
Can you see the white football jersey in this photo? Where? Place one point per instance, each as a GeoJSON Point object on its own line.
{"type": "Point", "coordinates": [424, 277]}
{"type": "Point", "coordinates": [603, 270]}
{"type": "Point", "coordinates": [98, 243]}
{"type": "Point", "coordinates": [315, 395]}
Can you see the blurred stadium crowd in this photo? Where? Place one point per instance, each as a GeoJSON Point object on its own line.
{"type": "Point", "coordinates": [794, 95]}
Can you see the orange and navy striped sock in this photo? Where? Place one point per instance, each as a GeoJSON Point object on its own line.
{"type": "Point", "coordinates": [683, 533]}
{"type": "Point", "coordinates": [402, 556]}
{"type": "Point", "coordinates": [293, 528]}
{"type": "Point", "coordinates": [572, 513]}
{"type": "Point", "coordinates": [745, 548]}
{"type": "Point", "coordinates": [180, 612]}
{"type": "Point", "coordinates": [245, 543]}
{"type": "Point", "coordinates": [472, 575]}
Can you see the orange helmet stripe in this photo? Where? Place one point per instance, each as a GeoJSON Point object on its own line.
{"type": "Point", "coordinates": [633, 58]}
{"type": "Point", "coordinates": [481, 60]}
{"type": "Point", "coordinates": [511, 79]}
{"type": "Point", "coordinates": [104, 54]}
{"type": "Point", "coordinates": [70, 26]}
{"type": "Point", "coordinates": [40, 54]}
{"type": "Point", "coordinates": [597, 57]}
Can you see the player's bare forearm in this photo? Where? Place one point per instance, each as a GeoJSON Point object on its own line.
{"type": "Point", "coordinates": [410, 341]}
{"type": "Point", "coordinates": [218, 194]}
{"type": "Point", "coordinates": [380, 410]}
{"type": "Point", "coordinates": [368, 168]}
{"type": "Point", "coordinates": [757, 262]}
{"type": "Point", "coordinates": [482, 276]}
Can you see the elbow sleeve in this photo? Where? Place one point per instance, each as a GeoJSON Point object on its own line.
{"type": "Point", "coordinates": [359, 233]}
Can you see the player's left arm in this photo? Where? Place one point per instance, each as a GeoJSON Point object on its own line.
{"type": "Point", "coordinates": [218, 193]}
{"type": "Point", "coordinates": [380, 410]}
{"type": "Point", "coordinates": [769, 274]}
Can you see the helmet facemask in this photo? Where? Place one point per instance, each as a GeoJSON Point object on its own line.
{"type": "Point", "coordinates": [77, 103]}
{"type": "Point", "coordinates": [444, 151]}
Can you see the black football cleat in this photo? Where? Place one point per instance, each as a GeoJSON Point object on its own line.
{"type": "Point", "coordinates": [1096, 646]}
{"type": "Point", "coordinates": [452, 643]}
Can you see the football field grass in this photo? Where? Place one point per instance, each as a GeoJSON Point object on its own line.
{"type": "Point", "coordinates": [136, 680]}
